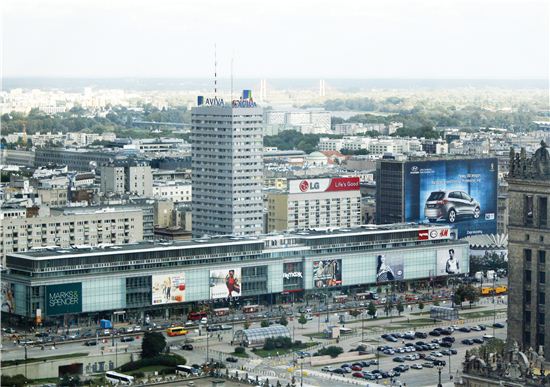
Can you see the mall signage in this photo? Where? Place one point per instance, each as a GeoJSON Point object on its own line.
{"type": "Point", "coordinates": [63, 299]}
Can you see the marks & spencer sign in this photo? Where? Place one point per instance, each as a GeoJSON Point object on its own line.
{"type": "Point", "coordinates": [63, 298]}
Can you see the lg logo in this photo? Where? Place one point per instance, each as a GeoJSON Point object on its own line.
{"type": "Point", "coordinates": [304, 186]}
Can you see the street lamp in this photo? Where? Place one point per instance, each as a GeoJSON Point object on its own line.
{"type": "Point", "coordinates": [439, 368]}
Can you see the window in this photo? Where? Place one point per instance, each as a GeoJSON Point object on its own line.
{"type": "Point", "coordinates": [543, 212]}
{"type": "Point", "coordinates": [527, 297]}
{"type": "Point", "coordinates": [527, 255]}
{"type": "Point", "coordinates": [541, 318]}
{"type": "Point", "coordinates": [542, 277]}
{"type": "Point", "coordinates": [542, 256]}
{"type": "Point", "coordinates": [527, 276]}
{"type": "Point", "coordinates": [542, 298]}
{"type": "Point", "coordinates": [528, 210]}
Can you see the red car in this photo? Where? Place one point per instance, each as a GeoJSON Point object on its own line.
{"type": "Point", "coordinates": [358, 375]}
{"type": "Point", "coordinates": [356, 368]}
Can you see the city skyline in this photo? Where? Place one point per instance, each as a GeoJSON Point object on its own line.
{"type": "Point", "coordinates": [464, 39]}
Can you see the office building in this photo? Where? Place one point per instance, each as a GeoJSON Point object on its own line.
{"type": "Point", "coordinates": [528, 249]}
{"type": "Point", "coordinates": [461, 192]}
{"type": "Point", "coordinates": [175, 190]}
{"type": "Point", "coordinates": [315, 204]}
{"type": "Point", "coordinates": [125, 282]}
{"type": "Point", "coordinates": [75, 159]}
{"type": "Point", "coordinates": [227, 167]}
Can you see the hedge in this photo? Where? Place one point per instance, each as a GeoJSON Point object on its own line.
{"type": "Point", "coordinates": [165, 360]}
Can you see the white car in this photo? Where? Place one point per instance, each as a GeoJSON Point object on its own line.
{"type": "Point", "coordinates": [204, 320]}
{"type": "Point", "coordinates": [129, 330]}
{"type": "Point", "coordinates": [137, 328]}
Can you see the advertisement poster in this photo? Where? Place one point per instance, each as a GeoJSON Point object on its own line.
{"type": "Point", "coordinates": [459, 193]}
{"type": "Point", "coordinates": [389, 268]}
{"type": "Point", "coordinates": [63, 298]}
{"type": "Point", "coordinates": [8, 301]}
{"type": "Point", "coordinates": [225, 283]}
{"type": "Point", "coordinates": [327, 273]}
{"type": "Point", "coordinates": [448, 262]}
{"type": "Point", "coordinates": [168, 288]}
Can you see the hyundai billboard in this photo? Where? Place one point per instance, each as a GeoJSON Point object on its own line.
{"type": "Point", "coordinates": [459, 193]}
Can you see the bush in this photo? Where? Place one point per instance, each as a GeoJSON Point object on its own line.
{"type": "Point", "coordinates": [165, 360]}
{"type": "Point", "coordinates": [264, 324]}
{"type": "Point", "coordinates": [17, 380]}
{"type": "Point", "coordinates": [240, 350]}
{"type": "Point", "coordinates": [153, 344]}
{"type": "Point", "coordinates": [332, 351]}
{"type": "Point", "coordinates": [138, 374]}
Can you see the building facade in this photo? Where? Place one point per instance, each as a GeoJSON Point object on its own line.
{"type": "Point", "coordinates": [528, 249]}
{"type": "Point", "coordinates": [227, 169]}
{"type": "Point", "coordinates": [176, 191]}
{"type": "Point", "coordinates": [315, 203]}
{"type": "Point", "coordinates": [71, 227]}
{"type": "Point", "coordinates": [127, 176]}
{"type": "Point", "coordinates": [170, 278]}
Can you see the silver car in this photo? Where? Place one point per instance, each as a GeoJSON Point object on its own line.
{"type": "Point", "coordinates": [451, 205]}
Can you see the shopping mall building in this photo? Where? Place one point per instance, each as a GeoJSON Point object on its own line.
{"type": "Point", "coordinates": [128, 282]}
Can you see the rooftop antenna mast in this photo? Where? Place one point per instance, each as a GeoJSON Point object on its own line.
{"type": "Point", "coordinates": [215, 71]}
{"type": "Point", "coordinates": [232, 54]}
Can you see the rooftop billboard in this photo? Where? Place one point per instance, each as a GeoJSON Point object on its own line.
{"type": "Point", "coordinates": [323, 185]}
{"type": "Point", "coordinates": [459, 193]}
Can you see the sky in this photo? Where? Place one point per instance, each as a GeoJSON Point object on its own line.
{"type": "Point", "coordinates": [276, 38]}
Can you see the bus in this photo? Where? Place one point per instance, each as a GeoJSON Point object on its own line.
{"type": "Point", "coordinates": [501, 289]}
{"type": "Point", "coordinates": [116, 378]}
{"type": "Point", "coordinates": [340, 298]}
{"type": "Point", "coordinates": [196, 316]}
{"type": "Point", "coordinates": [251, 308]}
{"type": "Point", "coordinates": [176, 331]}
{"type": "Point", "coordinates": [221, 312]}
{"type": "Point", "coordinates": [186, 370]}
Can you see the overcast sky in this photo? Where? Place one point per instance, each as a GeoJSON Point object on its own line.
{"type": "Point", "coordinates": [276, 38]}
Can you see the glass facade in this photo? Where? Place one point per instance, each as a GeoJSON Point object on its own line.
{"type": "Point", "coordinates": [266, 268]}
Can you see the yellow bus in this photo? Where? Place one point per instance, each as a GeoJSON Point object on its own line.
{"type": "Point", "coordinates": [176, 331]}
{"type": "Point", "coordinates": [501, 289]}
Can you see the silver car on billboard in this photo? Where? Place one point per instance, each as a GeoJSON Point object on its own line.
{"type": "Point", "coordinates": [450, 206]}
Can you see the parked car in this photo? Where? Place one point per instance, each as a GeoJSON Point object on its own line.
{"type": "Point", "coordinates": [416, 366]}
{"type": "Point", "coordinates": [427, 365]}
{"type": "Point", "coordinates": [231, 359]}
{"type": "Point", "coordinates": [126, 339]}
{"type": "Point", "coordinates": [434, 333]}
{"type": "Point", "coordinates": [498, 325]}
{"type": "Point", "coordinates": [90, 343]}
{"type": "Point", "coordinates": [187, 347]}
{"type": "Point", "coordinates": [451, 205]}
{"type": "Point", "coordinates": [421, 335]}
{"type": "Point", "coordinates": [467, 342]}
{"type": "Point", "coordinates": [398, 359]}
{"type": "Point", "coordinates": [477, 340]}
{"type": "Point", "coordinates": [465, 329]}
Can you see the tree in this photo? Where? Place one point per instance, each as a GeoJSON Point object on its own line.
{"type": "Point", "coordinates": [332, 351]}
{"type": "Point", "coordinates": [471, 294]}
{"type": "Point", "coordinates": [264, 324]}
{"type": "Point", "coordinates": [400, 308]}
{"type": "Point", "coordinates": [354, 313]}
{"type": "Point", "coordinates": [421, 306]}
{"type": "Point", "coordinates": [388, 306]}
{"type": "Point", "coordinates": [153, 344]}
{"type": "Point", "coordinates": [246, 324]}
{"type": "Point", "coordinates": [302, 320]}
{"type": "Point", "coordinates": [371, 309]}
{"type": "Point", "coordinates": [283, 320]}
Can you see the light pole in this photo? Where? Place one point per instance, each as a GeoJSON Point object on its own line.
{"type": "Point", "coordinates": [494, 306]}
{"type": "Point", "coordinates": [439, 368]}
{"type": "Point", "coordinates": [25, 361]}
{"type": "Point", "coordinates": [362, 327]}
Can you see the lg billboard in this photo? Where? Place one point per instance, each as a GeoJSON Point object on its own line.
{"type": "Point", "coordinates": [458, 193]}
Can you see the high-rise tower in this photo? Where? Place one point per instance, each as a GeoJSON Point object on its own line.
{"type": "Point", "coordinates": [227, 166]}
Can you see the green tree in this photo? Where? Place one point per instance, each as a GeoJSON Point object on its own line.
{"type": "Point", "coordinates": [283, 320]}
{"type": "Point", "coordinates": [153, 344]}
{"type": "Point", "coordinates": [371, 309]}
{"type": "Point", "coordinates": [400, 308]}
{"type": "Point", "coordinates": [264, 323]}
{"type": "Point", "coordinates": [246, 324]}
{"type": "Point", "coordinates": [388, 306]}
{"type": "Point", "coordinates": [332, 351]}
{"type": "Point", "coordinates": [471, 293]}
{"type": "Point", "coordinates": [421, 306]}
{"type": "Point", "coordinates": [302, 320]}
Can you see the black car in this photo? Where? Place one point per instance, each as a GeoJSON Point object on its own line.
{"type": "Point", "coordinates": [392, 339]}
{"type": "Point", "coordinates": [90, 343]}
{"type": "Point", "coordinates": [435, 333]}
{"type": "Point", "coordinates": [467, 342]}
{"type": "Point", "coordinates": [465, 329]}
{"type": "Point", "coordinates": [420, 335]}
{"type": "Point", "coordinates": [449, 339]}
{"type": "Point", "coordinates": [453, 351]}
{"type": "Point", "coordinates": [408, 336]}
{"type": "Point", "coordinates": [446, 344]}
{"type": "Point", "coordinates": [446, 332]}
{"type": "Point", "coordinates": [231, 359]}
{"type": "Point", "coordinates": [399, 359]}
{"type": "Point", "coordinates": [126, 339]}
{"type": "Point", "coordinates": [187, 347]}
{"type": "Point", "coordinates": [498, 325]}
{"type": "Point", "coordinates": [482, 327]}
{"type": "Point", "coordinates": [339, 371]}
{"type": "Point", "coordinates": [477, 340]}
{"type": "Point", "coordinates": [439, 362]}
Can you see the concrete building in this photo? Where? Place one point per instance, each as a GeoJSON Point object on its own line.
{"type": "Point", "coordinates": [176, 191]}
{"type": "Point", "coordinates": [528, 248]}
{"type": "Point", "coordinates": [128, 176]}
{"type": "Point", "coordinates": [75, 159]}
{"type": "Point", "coordinates": [227, 168]}
{"type": "Point", "coordinates": [315, 204]}
{"type": "Point", "coordinates": [71, 227]}
{"type": "Point", "coordinates": [302, 120]}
